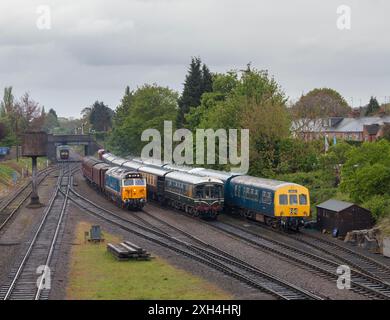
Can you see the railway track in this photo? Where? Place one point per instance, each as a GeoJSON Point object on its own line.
{"type": "Point", "coordinates": [196, 249]}
{"type": "Point", "coordinates": [341, 252]}
{"type": "Point", "coordinates": [344, 254]}
{"type": "Point", "coordinates": [360, 282]}
{"type": "Point", "coordinates": [23, 282]}
{"type": "Point", "coordinates": [11, 205]}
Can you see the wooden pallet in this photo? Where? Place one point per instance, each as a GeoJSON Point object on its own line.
{"type": "Point", "coordinates": [127, 251]}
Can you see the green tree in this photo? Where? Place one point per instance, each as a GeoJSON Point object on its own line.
{"type": "Point", "coordinates": [207, 79]}
{"type": "Point", "coordinates": [150, 106]}
{"type": "Point", "coordinates": [100, 116]}
{"type": "Point", "coordinates": [251, 100]}
{"type": "Point", "coordinates": [123, 109]}
{"type": "Point", "coordinates": [198, 81]}
{"type": "Point", "coordinates": [367, 171]}
{"type": "Point", "coordinates": [317, 105]}
{"type": "Point", "coordinates": [372, 107]}
{"type": "Point", "coordinates": [7, 105]}
{"type": "Point", "coordinates": [51, 121]}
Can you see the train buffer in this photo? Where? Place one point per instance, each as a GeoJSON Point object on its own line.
{"type": "Point", "coordinates": [127, 251]}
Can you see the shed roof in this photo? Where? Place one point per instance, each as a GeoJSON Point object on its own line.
{"type": "Point", "coordinates": [335, 205]}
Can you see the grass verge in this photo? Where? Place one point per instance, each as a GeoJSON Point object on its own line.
{"type": "Point", "coordinates": [96, 274]}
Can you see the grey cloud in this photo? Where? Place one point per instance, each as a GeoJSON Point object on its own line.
{"type": "Point", "coordinates": [95, 48]}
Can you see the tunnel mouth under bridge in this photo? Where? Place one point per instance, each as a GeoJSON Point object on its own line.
{"type": "Point", "coordinates": [86, 140]}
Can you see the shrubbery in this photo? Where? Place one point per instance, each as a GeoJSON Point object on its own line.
{"type": "Point", "coordinates": [379, 206]}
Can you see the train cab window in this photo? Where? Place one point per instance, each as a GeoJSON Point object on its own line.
{"type": "Point", "coordinates": [293, 199]}
{"type": "Point", "coordinates": [283, 199]}
{"type": "Point", "coordinates": [302, 199]}
{"type": "Point", "coordinates": [216, 192]}
{"type": "Point", "coordinates": [139, 182]}
{"type": "Point", "coordinates": [207, 192]}
{"type": "Point", "coordinates": [199, 192]}
{"type": "Point", "coordinates": [128, 182]}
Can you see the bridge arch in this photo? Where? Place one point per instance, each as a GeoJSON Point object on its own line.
{"type": "Point", "coordinates": [87, 140]}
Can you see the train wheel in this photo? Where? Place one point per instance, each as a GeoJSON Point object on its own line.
{"type": "Point", "coordinates": [268, 221]}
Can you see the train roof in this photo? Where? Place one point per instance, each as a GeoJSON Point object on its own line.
{"type": "Point", "coordinates": [189, 178]}
{"type": "Point", "coordinates": [132, 165]}
{"type": "Point", "coordinates": [154, 162]}
{"type": "Point", "coordinates": [158, 171]}
{"type": "Point", "coordinates": [91, 160]}
{"type": "Point", "coordinates": [222, 175]}
{"type": "Point", "coordinates": [138, 160]}
{"type": "Point", "coordinates": [118, 161]}
{"type": "Point", "coordinates": [101, 165]}
{"type": "Point", "coordinates": [177, 167]}
{"type": "Point", "coordinates": [109, 157]}
{"type": "Point", "coordinates": [122, 173]}
{"type": "Point", "coordinates": [261, 182]}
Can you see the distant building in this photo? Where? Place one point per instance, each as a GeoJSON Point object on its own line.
{"type": "Point", "coordinates": [343, 217]}
{"type": "Point", "coordinates": [357, 129]}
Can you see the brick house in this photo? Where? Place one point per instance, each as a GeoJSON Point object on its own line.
{"type": "Point", "coordinates": [357, 129]}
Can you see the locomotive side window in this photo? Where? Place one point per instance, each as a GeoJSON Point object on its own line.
{"type": "Point", "coordinates": [293, 199]}
{"type": "Point", "coordinates": [283, 199]}
{"type": "Point", "coordinates": [266, 197]}
{"type": "Point", "coordinates": [302, 199]}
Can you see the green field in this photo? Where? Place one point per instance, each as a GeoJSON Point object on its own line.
{"type": "Point", "coordinates": [96, 274]}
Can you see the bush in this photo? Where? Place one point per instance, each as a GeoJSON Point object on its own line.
{"type": "Point", "coordinates": [379, 206]}
{"type": "Point", "coordinates": [367, 171]}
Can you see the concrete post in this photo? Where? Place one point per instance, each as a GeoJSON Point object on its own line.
{"type": "Point", "coordinates": [34, 201]}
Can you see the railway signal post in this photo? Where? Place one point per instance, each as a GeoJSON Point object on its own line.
{"type": "Point", "coordinates": [34, 145]}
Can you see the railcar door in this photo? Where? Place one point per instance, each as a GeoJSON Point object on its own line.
{"type": "Point", "coordinates": [160, 188]}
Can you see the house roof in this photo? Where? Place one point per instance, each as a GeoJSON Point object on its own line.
{"type": "Point", "coordinates": [338, 124]}
{"type": "Point", "coordinates": [335, 205]}
{"type": "Point", "coordinates": [357, 124]}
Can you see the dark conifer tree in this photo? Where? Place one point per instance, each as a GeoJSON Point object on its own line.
{"type": "Point", "coordinates": [124, 108]}
{"type": "Point", "coordinates": [372, 107]}
{"type": "Point", "coordinates": [192, 90]}
{"type": "Point", "coordinates": [207, 81]}
{"type": "Point", "coordinates": [198, 81]}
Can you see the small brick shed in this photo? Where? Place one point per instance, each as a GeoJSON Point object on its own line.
{"type": "Point", "coordinates": [343, 216]}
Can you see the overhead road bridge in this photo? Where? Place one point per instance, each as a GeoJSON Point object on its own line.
{"type": "Point", "coordinates": [86, 140]}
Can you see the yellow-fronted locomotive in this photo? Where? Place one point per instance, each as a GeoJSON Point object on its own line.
{"type": "Point", "coordinates": [126, 188]}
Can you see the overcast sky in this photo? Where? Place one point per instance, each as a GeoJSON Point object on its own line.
{"type": "Point", "coordinates": [95, 48]}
